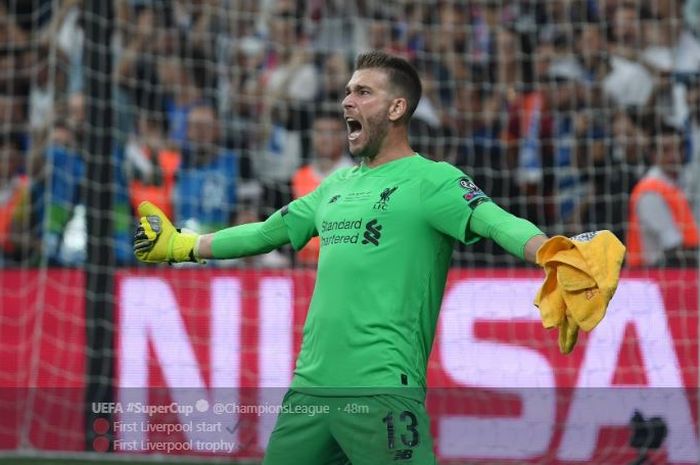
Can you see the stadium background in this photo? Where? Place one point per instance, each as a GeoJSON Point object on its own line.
{"type": "Point", "coordinates": [553, 106]}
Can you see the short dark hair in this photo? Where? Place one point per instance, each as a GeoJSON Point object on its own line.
{"type": "Point", "coordinates": [400, 72]}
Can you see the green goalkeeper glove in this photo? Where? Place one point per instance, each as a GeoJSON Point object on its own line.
{"type": "Point", "coordinates": [156, 239]}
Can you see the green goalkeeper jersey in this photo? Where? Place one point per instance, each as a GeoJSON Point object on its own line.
{"type": "Point", "coordinates": [387, 235]}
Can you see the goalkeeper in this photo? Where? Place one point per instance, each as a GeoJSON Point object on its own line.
{"type": "Point", "coordinates": [387, 230]}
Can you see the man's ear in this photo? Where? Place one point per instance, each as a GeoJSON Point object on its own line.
{"type": "Point", "coordinates": [398, 108]}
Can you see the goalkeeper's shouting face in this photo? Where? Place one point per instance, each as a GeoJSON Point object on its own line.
{"type": "Point", "coordinates": [380, 98]}
{"type": "Point", "coordinates": [366, 111]}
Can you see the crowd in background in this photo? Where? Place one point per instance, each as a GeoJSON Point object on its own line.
{"type": "Point", "coordinates": [225, 110]}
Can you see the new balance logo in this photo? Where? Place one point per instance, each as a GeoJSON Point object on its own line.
{"type": "Point", "coordinates": [334, 198]}
{"type": "Point", "coordinates": [403, 454]}
{"type": "Point", "coordinates": [372, 233]}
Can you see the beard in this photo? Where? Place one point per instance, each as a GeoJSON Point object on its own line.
{"type": "Point", "coordinates": [377, 128]}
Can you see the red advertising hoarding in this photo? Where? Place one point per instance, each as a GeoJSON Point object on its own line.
{"type": "Point", "coordinates": [42, 359]}
{"type": "Point", "coordinates": [207, 339]}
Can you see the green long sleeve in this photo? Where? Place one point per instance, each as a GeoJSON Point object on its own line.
{"type": "Point", "coordinates": [250, 239]}
{"type": "Point", "coordinates": [507, 230]}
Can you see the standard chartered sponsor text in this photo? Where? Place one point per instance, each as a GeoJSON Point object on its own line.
{"type": "Point", "coordinates": [340, 232]}
{"type": "Point", "coordinates": [269, 409]}
{"type": "Point", "coordinates": [327, 226]}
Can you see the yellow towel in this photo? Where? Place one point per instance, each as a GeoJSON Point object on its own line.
{"type": "Point", "coordinates": [582, 273]}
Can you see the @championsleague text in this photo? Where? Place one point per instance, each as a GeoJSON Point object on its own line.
{"type": "Point", "coordinates": [272, 409]}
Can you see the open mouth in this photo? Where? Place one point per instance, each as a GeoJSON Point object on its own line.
{"type": "Point", "coordinates": [354, 128]}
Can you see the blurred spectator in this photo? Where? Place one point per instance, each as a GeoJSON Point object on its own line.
{"type": "Point", "coordinates": [15, 235]}
{"type": "Point", "coordinates": [615, 168]}
{"type": "Point", "coordinates": [242, 57]}
{"type": "Point", "coordinates": [450, 36]}
{"type": "Point", "coordinates": [66, 29]}
{"type": "Point", "coordinates": [528, 138]}
{"type": "Point", "coordinates": [383, 32]}
{"type": "Point", "coordinates": [663, 230]}
{"type": "Point", "coordinates": [507, 71]}
{"type": "Point", "coordinates": [591, 47]}
{"type": "Point", "coordinates": [691, 126]}
{"type": "Point", "coordinates": [334, 72]}
{"type": "Point", "coordinates": [289, 70]}
{"type": "Point", "coordinates": [291, 83]}
{"type": "Point", "coordinates": [182, 93]}
{"type": "Point", "coordinates": [202, 22]}
{"type": "Point", "coordinates": [328, 155]}
{"type": "Point", "coordinates": [417, 23]}
{"type": "Point", "coordinates": [554, 19]}
{"type": "Point", "coordinates": [488, 20]}
{"type": "Point", "coordinates": [429, 124]}
{"type": "Point", "coordinates": [661, 28]}
{"type": "Point", "coordinates": [12, 111]}
{"type": "Point", "coordinates": [149, 37]}
{"type": "Point", "coordinates": [434, 124]}
{"type": "Point", "coordinates": [545, 51]}
{"type": "Point", "coordinates": [239, 104]}
{"type": "Point", "coordinates": [630, 143]}
{"type": "Point", "coordinates": [661, 31]}
{"type": "Point", "coordinates": [438, 84]}
{"type": "Point", "coordinates": [629, 82]}
{"type": "Point", "coordinates": [626, 30]}
{"type": "Point", "coordinates": [11, 34]}
{"type": "Point", "coordinates": [151, 165]}
{"type": "Point", "coordinates": [49, 85]}
{"type": "Point", "coordinates": [290, 74]}
{"type": "Point", "coordinates": [542, 101]}
{"type": "Point", "coordinates": [57, 194]}
{"type": "Point", "coordinates": [338, 26]}
{"type": "Point", "coordinates": [573, 133]}
{"type": "Point", "coordinates": [205, 188]}
{"type": "Point", "coordinates": [329, 152]}
{"type": "Point", "coordinates": [688, 51]}
{"type": "Point", "coordinates": [478, 125]}
{"type": "Point", "coordinates": [691, 15]}
{"type": "Point", "coordinates": [16, 70]}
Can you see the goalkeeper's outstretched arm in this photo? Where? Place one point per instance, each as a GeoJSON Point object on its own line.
{"type": "Point", "coordinates": [244, 240]}
{"type": "Point", "coordinates": [516, 235]}
{"type": "Point", "coordinates": [158, 241]}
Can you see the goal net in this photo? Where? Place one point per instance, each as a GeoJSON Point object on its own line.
{"type": "Point", "coordinates": [221, 112]}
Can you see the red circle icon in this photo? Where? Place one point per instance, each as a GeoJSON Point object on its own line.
{"type": "Point", "coordinates": [101, 426]}
{"type": "Point", "coordinates": [100, 444]}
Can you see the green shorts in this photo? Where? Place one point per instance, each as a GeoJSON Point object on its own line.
{"type": "Point", "coordinates": [367, 430]}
